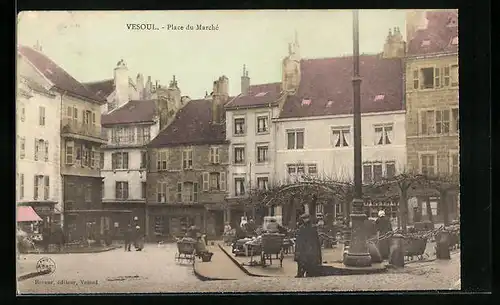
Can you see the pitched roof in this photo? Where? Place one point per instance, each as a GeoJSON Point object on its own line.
{"type": "Point", "coordinates": [437, 37]}
{"type": "Point", "coordinates": [60, 78]}
{"type": "Point", "coordinates": [258, 95]}
{"type": "Point", "coordinates": [131, 112]}
{"type": "Point", "coordinates": [192, 126]}
{"type": "Point", "coordinates": [326, 87]}
{"type": "Point", "coordinates": [101, 88]}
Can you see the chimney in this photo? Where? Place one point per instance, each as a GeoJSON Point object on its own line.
{"type": "Point", "coordinates": [245, 81]}
{"type": "Point", "coordinates": [220, 96]}
{"type": "Point", "coordinates": [140, 86]}
{"type": "Point", "coordinates": [121, 80]}
{"type": "Point", "coordinates": [38, 46]}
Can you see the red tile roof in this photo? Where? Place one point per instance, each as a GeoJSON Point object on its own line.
{"type": "Point", "coordinates": [60, 78]}
{"type": "Point", "coordinates": [132, 112]}
{"type": "Point", "coordinates": [258, 95]}
{"type": "Point", "coordinates": [327, 83]}
{"type": "Point", "coordinates": [101, 88]}
{"type": "Point", "coordinates": [192, 126]}
{"type": "Point", "coordinates": [437, 37]}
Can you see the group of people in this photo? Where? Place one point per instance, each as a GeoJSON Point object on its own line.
{"type": "Point", "coordinates": [134, 237]}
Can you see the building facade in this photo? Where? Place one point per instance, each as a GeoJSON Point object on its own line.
{"type": "Point", "coordinates": [38, 179]}
{"type": "Point", "coordinates": [187, 176]}
{"type": "Point", "coordinates": [432, 87]}
{"type": "Point", "coordinates": [80, 141]}
{"type": "Point", "coordinates": [315, 127]}
{"type": "Point", "coordinates": [252, 143]}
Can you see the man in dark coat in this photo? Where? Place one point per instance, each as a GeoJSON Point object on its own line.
{"type": "Point", "coordinates": [383, 226]}
{"type": "Point", "coordinates": [128, 237]}
{"type": "Point", "coordinates": [307, 249]}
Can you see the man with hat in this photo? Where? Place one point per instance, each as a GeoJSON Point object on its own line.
{"type": "Point", "coordinates": [307, 248]}
{"type": "Point", "coordinates": [383, 225]}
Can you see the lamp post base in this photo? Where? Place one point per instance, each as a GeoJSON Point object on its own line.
{"type": "Point", "coordinates": [358, 255]}
{"type": "Point", "coordinates": [358, 260]}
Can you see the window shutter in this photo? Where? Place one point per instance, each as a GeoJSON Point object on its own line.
{"type": "Point", "coordinates": [125, 161]}
{"type": "Point", "coordinates": [69, 153]}
{"type": "Point", "coordinates": [437, 78]}
{"type": "Point", "coordinates": [206, 178]}
{"type": "Point", "coordinates": [179, 192]}
{"type": "Point", "coordinates": [46, 151]}
{"type": "Point", "coordinates": [212, 155]}
{"type": "Point", "coordinates": [93, 118]}
{"type": "Point", "coordinates": [35, 187]}
{"type": "Point", "coordinates": [195, 192]}
{"type": "Point", "coordinates": [415, 79]}
{"type": "Point", "coordinates": [47, 187]}
{"type": "Point", "coordinates": [125, 190]}
{"type": "Point", "coordinates": [75, 113]}
{"type": "Point", "coordinates": [117, 190]}
{"type": "Point", "coordinates": [113, 161]}
{"type": "Point", "coordinates": [223, 181]}
{"type": "Point", "coordinates": [217, 155]}
{"type": "Point", "coordinates": [36, 149]}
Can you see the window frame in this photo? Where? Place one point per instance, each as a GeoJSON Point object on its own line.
{"type": "Point", "coordinates": [266, 182]}
{"type": "Point", "coordinates": [41, 116]}
{"type": "Point", "coordinates": [295, 131]}
{"type": "Point", "coordinates": [187, 159]}
{"type": "Point", "coordinates": [451, 154]}
{"type": "Point", "coordinates": [235, 124]}
{"type": "Point", "coordinates": [259, 117]}
{"type": "Point", "coordinates": [242, 183]}
{"type": "Point", "coordinates": [161, 189]}
{"type": "Point", "coordinates": [22, 147]}
{"type": "Point", "coordinates": [115, 159]}
{"type": "Point", "coordinates": [214, 154]}
{"type": "Point", "coordinates": [243, 148]}
{"type": "Point", "coordinates": [260, 146]}
{"type": "Point", "coordinates": [426, 154]}
{"type": "Point", "coordinates": [341, 130]}
{"type": "Point", "coordinates": [67, 156]}
{"type": "Point", "coordinates": [46, 187]}
{"type": "Point", "coordinates": [384, 132]}
{"type": "Point", "coordinates": [124, 190]}
{"type": "Point", "coordinates": [162, 159]}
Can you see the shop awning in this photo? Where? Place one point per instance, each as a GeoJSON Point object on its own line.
{"type": "Point", "coordinates": [26, 213]}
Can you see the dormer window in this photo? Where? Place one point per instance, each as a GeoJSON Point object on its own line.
{"type": "Point", "coordinates": [49, 71]}
{"type": "Point", "coordinates": [426, 43]}
{"type": "Point", "coordinates": [329, 104]}
{"type": "Point", "coordinates": [379, 97]}
{"type": "Point", "coordinates": [452, 22]}
{"type": "Point", "coordinates": [306, 102]}
{"type": "Point", "coordinates": [261, 94]}
{"type": "Point", "coordinates": [454, 41]}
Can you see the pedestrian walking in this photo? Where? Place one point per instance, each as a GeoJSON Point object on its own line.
{"type": "Point", "coordinates": [138, 239]}
{"type": "Point", "coordinates": [307, 249]}
{"type": "Point", "coordinates": [384, 226]}
{"type": "Point", "coordinates": [128, 237]}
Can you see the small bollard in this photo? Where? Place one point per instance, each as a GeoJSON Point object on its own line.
{"type": "Point", "coordinates": [443, 245]}
{"type": "Point", "coordinates": [396, 252]}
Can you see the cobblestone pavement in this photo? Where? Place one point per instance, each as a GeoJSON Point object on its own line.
{"type": "Point", "coordinates": [155, 270]}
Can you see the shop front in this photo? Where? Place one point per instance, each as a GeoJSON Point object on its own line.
{"type": "Point", "coordinates": [137, 216]}
{"type": "Point", "coordinates": [167, 222]}
{"type": "Point", "coordinates": [96, 224]}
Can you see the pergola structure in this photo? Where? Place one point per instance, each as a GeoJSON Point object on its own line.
{"type": "Point", "coordinates": [312, 191]}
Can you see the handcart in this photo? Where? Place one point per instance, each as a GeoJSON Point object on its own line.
{"type": "Point", "coordinates": [272, 244]}
{"type": "Point", "coordinates": [186, 250]}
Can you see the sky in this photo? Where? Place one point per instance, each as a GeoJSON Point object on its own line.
{"type": "Point", "coordinates": [88, 45]}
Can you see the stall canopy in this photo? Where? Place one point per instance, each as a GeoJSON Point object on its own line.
{"type": "Point", "coordinates": [26, 213]}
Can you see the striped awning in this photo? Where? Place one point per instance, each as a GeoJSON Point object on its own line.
{"type": "Point", "coordinates": [26, 213]}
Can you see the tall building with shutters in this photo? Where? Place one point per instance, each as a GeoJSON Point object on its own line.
{"type": "Point", "coordinates": [187, 175]}
{"type": "Point", "coordinates": [432, 101]}
{"type": "Point", "coordinates": [134, 114]}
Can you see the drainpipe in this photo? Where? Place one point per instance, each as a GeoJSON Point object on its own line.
{"type": "Point", "coordinates": [62, 158]}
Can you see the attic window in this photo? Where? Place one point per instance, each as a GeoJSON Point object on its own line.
{"type": "Point", "coordinates": [329, 104]}
{"type": "Point", "coordinates": [261, 94]}
{"type": "Point", "coordinates": [426, 43]}
{"type": "Point", "coordinates": [454, 41]}
{"type": "Point", "coordinates": [452, 22]}
{"type": "Point", "coordinates": [49, 71]}
{"type": "Point", "coordinates": [306, 102]}
{"type": "Point", "coordinates": [379, 97]}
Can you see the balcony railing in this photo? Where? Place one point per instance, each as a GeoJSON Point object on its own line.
{"type": "Point", "coordinates": [140, 141]}
{"type": "Point", "coordinates": [83, 129]}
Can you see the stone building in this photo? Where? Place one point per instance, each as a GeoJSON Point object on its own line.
{"type": "Point", "coordinates": [187, 175]}
{"type": "Point", "coordinates": [252, 138]}
{"type": "Point", "coordinates": [81, 138]}
{"type": "Point", "coordinates": [314, 126]}
{"type": "Point", "coordinates": [38, 176]}
{"type": "Point", "coordinates": [432, 107]}
{"type": "Point", "coordinates": [129, 126]}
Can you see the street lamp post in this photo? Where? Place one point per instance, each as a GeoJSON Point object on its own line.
{"type": "Point", "coordinates": [358, 255]}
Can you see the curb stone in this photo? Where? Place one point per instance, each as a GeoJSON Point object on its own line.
{"type": "Point", "coordinates": [76, 252]}
{"type": "Point", "coordinates": [239, 265]}
{"type": "Point", "coordinates": [206, 278]}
